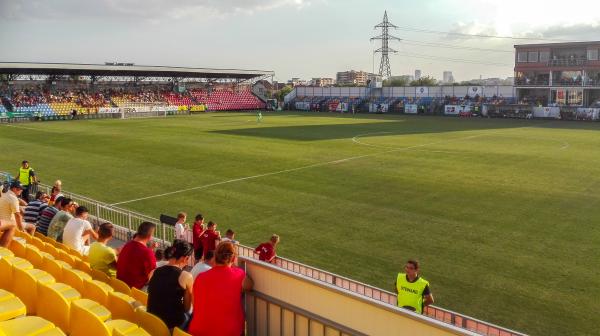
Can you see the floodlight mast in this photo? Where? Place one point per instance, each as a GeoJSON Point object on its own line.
{"type": "Point", "coordinates": [385, 37]}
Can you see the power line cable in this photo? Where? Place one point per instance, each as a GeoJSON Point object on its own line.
{"type": "Point", "coordinates": [458, 60]}
{"type": "Point", "coordinates": [428, 31]}
{"type": "Point", "coordinates": [452, 46]}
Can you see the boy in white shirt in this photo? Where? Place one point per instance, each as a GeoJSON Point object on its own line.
{"type": "Point", "coordinates": [78, 231]}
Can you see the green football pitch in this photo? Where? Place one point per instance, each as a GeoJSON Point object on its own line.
{"type": "Point", "coordinates": [502, 214]}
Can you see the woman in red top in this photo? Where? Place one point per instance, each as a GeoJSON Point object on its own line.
{"type": "Point", "coordinates": [218, 307]}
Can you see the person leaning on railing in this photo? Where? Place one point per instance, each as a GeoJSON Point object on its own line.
{"type": "Point", "coordinates": [413, 291]}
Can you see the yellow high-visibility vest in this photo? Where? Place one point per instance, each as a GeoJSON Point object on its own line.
{"type": "Point", "coordinates": [410, 294]}
{"type": "Point", "coordinates": [24, 177]}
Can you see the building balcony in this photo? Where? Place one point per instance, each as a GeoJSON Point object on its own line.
{"type": "Point", "coordinates": [571, 62]}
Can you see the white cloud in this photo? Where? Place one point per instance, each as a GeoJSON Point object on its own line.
{"type": "Point", "coordinates": [148, 9]}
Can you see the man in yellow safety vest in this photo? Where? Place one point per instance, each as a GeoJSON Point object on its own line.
{"type": "Point", "coordinates": [413, 291]}
{"type": "Point", "coordinates": [27, 177]}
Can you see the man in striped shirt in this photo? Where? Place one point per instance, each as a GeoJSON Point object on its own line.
{"type": "Point", "coordinates": [34, 208]}
{"type": "Point", "coordinates": [46, 216]}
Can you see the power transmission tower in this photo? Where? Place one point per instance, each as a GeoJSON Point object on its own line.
{"type": "Point", "coordinates": [385, 37]}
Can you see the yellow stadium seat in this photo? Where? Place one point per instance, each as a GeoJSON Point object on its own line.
{"type": "Point", "coordinates": [86, 322]}
{"type": "Point", "coordinates": [37, 242]}
{"type": "Point", "coordinates": [96, 290]}
{"type": "Point", "coordinates": [140, 296]}
{"type": "Point", "coordinates": [120, 286]}
{"type": "Point", "coordinates": [39, 235]}
{"type": "Point", "coordinates": [28, 326]}
{"type": "Point", "coordinates": [18, 248]}
{"type": "Point", "coordinates": [179, 332]}
{"type": "Point", "coordinates": [50, 249]}
{"type": "Point", "coordinates": [53, 267]}
{"type": "Point", "coordinates": [4, 252]}
{"type": "Point", "coordinates": [100, 276]}
{"type": "Point", "coordinates": [83, 266]}
{"type": "Point", "coordinates": [75, 254]}
{"type": "Point", "coordinates": [32, 254]}
{"type": "Point", "coordinates": [10, 306]}
{"type": "Point", "coordinates": [54, 302]}
{"type": "Point", "coordinates": [73, 279]}
{"type": "Point", "coordinates": [66, 257]}
{"type": "Point", "coordinates": [6, 270]}
{"type": "Point", "coordinates": [25, 286]}
{"type": "Point", "coordinates": [122, 306]}
{"type": "Point", "coordinates": [47, 255]}
{"type": "Point", "coordinates": [151, 323]}
{"type": "Point", "coordinates": [136, 332]}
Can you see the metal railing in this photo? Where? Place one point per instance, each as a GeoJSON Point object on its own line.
{"type": "Point", "coordinates": [126, 222]}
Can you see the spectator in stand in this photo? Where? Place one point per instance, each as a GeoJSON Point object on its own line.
{"type": "Point", "coordinates": [210, 237]}
{"type": "Point", "coordinates": [201, 267]}
{"type": "Point", "coordinates": [10, 216]}
{"type": "Point", "coordinates": [159, 254]}
{"type": "Point", "coordinates": [78, 231]}
{"type": "Point", "coordinates": [413, 291]}
{"type": "Point", "coordinates": [197, 231]}
{"type": "Point", "coordinates": [230, 237]}
{"type": "Point", "coordinates": [60, 220]}
{"type": "Point", "coordinates": [46, 216]}
{"type": "Point", "coordinates": [266, 251]}
{"type": "Point", "coordinates": [32, 211]}
{"type": "Point", "coordinates": [180, 226]}
{"type": "Point", "coordinates": [136, 260]}
{"type": "Point", "coordinates": [27, 177]}
{"type": "Point", "coordinates": [217, 296]}
{"type": "Point", "coordinates": [170, 287]}
{"type": "Point", "coordinates": [55, 192]}
{"type": "Point", "coordinates": [103, 257]}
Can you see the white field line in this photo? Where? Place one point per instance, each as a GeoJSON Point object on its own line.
{"type": "Point", "coordinates": [321, 164]}
{"type": "Point", "coordinates": [28, 128]}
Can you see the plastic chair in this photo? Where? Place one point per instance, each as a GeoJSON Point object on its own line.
{"type": "Point", "coordinates": [122, 306]}
{"type": "Point", "coordinates": [179, 332]}
{"type": "Point", "coordinates": [93, 325]}
{"type": "Point", "coordinates": [6, 269]}
{"type": "Point", "coordinates": [10, 306]}
{"type": "Point", "coordinates": [83, 266]}
{"type": "Point", "coordinates": [33, 255]}
{"type": "Point", "coordinates": [37, 242]}
{"type": "Point", "coordinates": [17, 247]}
{"type": "Point", "coordinates": [29, 325]}
{"type": "Point", "coordinates": [4, 252]}
{"type": "Point", "coordinates": [53, 267]}
{"type": "Point", "coordinates": [136, 332]}
{"type": "Point", "coordinates": [120, 286]}
{"type": "Point", "coordinates": [66, 257]}
{"type": "Point", "coordinates": [140, 296]}
{"type": "Point", "coordinates": [96, 290]}
{"type": "Point", "coordinates": [100, 276]}
{"type": "Point", "coordinates": [73, 279]}
{"type": "Point", "coordinates": [151, 323]}
{"type": "Point", "coordinates": [50, 249]}
{"type": "Point", "coordinates": [25, 286]}
{"type": "Point", "coordinates": [54, 303]}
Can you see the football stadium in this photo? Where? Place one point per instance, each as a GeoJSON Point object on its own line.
{"type": "Point", "coordinates": [165, 200]}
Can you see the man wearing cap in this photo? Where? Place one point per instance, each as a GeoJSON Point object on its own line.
{"type": "Point", "coordinates": [27, 177]}
{"type": "Point", "coordinates": [10, 216]}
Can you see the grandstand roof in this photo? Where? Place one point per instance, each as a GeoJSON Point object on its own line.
{"type": "Point", "coordinates": [19, 68]}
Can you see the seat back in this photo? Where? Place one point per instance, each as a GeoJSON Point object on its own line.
{"type": "Point", "coordinates": [66, 257]}
{"type": "Point", "coordinates": [72, 279]}
{"type": "Point", "coordinates": [33, 255]}
{"type": "Point", "coordinates": [7, 273]}
{"type": "Point", "coordinates": [18, 248]}
{"type": "Point", "coordinates": [85, 322]}
{"type": "Point", "coordinates": [37, 242]}
{"type": "Point", "coordinates": [97, 291]}
{"type": "Point", "coordinates": [25, 287]}
{"type": "Point", "coordinates": [120, 286]}
{"type": "Point", "coordinates": [122, 306]}
{"type": "Point", "coordinates": [100, 276]}
{"type": "Point", "coordinates": [179, 332]}
{"type": "Point", "coordinates": [53, 306]}
{"type": "Point", "coordinates": [52, 267]}
{"type": "Point", "coordinates": [83, 266]}
{"type": "Point", "coordinates": [140, 296]}
{"type": "Point", "coordinates": [151, 323]}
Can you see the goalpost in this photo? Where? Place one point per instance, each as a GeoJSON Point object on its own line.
{"type": "Point", "coordinates": [145, 110]}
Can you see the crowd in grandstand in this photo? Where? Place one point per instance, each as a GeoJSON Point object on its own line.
{"type": "Point", "coordinates": [203, 299]}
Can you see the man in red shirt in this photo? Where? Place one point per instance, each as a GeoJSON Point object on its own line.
{"type": "Point", "coordinates": [210, 237]}
{"type": "Point", "coordinates": [136, 261]}
{"type": "Point", "coordinates": [266, 251]}
{"type": "Point", "coordinates": [197, 231]}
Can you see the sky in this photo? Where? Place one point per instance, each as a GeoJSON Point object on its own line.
{"type": "Point", "coordinates": [294, 38]}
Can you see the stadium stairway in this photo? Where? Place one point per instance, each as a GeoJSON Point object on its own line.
{"type": "Point", "coordinates": [49, 289]}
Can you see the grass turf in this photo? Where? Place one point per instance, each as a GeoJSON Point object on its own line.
{"type": "Point", "coordinates": [501, 213]}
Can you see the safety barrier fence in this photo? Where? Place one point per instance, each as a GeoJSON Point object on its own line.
{"type": "Point", "coordinates": [127, 221]}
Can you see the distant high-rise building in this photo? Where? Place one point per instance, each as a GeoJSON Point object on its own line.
{"type": "Point", "coordinates": [358, 78]}
{"type": "Point", "coordinates": [417, 74]}
{"type": "Point", "coordinates": [448, 77]}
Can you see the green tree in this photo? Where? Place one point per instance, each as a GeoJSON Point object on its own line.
{"type": "Point", "coordinates": [424, 81]}
{"type": "Point", "coordinates": [283, 92]}
{"type": "Point", "coordinates": [396, 82]}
